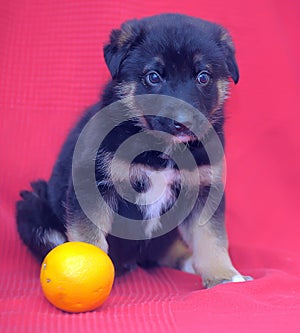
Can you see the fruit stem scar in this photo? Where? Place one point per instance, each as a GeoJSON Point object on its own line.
{"type": "Point", "coordinates": [48, 280]}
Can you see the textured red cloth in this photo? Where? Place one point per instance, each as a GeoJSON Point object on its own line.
{"type": "Point", "coordinates": [51, 68]}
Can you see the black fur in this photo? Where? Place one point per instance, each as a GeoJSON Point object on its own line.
{"type": "Point", "coordinates": [130, 53]}
{"type": "Point", "coordinates": [35, 217]}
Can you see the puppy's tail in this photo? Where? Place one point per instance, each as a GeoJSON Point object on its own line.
{"type": "Point", "coordinates": [38, 226]}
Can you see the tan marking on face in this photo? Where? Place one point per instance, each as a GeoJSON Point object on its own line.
{"type": "Point", "coordinates": [222, 87]}
{"type": "Point", "coordinates": [156, 60]}
{"type": "Point", "coordinates": [159, 60]}
{"type": "Point", "coordinates": [125, 91]}
{"type": "Point", "coordinates": [197, 57]}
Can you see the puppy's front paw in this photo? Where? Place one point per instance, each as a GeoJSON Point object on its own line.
{"type": "Point", "coordinates": [208, 283]}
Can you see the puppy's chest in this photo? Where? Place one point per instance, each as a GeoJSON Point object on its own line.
{"type": "Point", "coordinates": [157, 190]}
{"type": "Point", "coordinates": [141, 191]}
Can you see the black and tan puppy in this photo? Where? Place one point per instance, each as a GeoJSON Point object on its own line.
{"type": "Point", "coordinates": [170, 55]}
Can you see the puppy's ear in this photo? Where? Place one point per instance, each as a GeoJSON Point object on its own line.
{"type": "Point", "coordinates": [228, 49]}
{"type": "Point", "coordinates": [121, 41]}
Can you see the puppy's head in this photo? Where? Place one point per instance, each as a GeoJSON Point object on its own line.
{"type": "Point", "coordinates": [178, 56]}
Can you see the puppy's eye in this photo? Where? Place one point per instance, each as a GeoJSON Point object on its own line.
{"type": "Point", "coordinates": [153, 78]}
{"type": "Point", "coordinates": [203, 78]}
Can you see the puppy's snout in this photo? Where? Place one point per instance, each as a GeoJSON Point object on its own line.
{"type": "Point", "coordinates": [181, 126]}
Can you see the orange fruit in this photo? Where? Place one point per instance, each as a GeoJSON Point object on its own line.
{"type": "Point", "coordinates": [77, 277]}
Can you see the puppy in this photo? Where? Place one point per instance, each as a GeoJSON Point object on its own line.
{"type": "Point", "coordinates": [166, 71]}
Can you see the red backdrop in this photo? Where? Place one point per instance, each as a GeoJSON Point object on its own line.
{"type": "Point", "coordinates": [52, 68]}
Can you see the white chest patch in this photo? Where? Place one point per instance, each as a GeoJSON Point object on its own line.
{"type": "Point", "coordinates": [158, 196]}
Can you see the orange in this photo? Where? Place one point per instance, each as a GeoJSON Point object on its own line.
{"type": "Point", "coordinates": [77, 277]}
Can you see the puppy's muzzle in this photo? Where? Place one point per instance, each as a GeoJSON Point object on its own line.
{"type": "Point", "coordinates": [171, 115]}
{"type": "Point", "coordinates": [182, 128]}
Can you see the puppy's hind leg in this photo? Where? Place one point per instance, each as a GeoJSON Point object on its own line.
{"type": "Point", "coordinates": [38, 226]}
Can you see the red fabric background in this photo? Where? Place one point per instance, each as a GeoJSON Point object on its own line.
{"type": "Point", "coordinates": [51, 68]}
